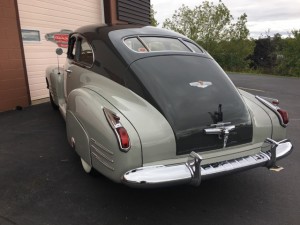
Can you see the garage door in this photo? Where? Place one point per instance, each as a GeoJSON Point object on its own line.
{"type": "Point", "coordinates": [45, 25]}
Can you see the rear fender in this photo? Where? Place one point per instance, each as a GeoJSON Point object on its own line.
{"type": "Point", "coordinates": [263, 115]}
{"type": "Point", "coordinates": [95, 140]}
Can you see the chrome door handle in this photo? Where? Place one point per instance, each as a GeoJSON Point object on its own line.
{"type": "Point", "coordinates": [69, 71]}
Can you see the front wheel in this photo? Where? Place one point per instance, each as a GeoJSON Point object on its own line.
{"type": "Point", "coordinates": [54, 106]}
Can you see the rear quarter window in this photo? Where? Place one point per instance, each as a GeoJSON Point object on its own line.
{"type": "Point", "coordinates": [85, 55]}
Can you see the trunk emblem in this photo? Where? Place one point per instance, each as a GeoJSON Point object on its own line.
{"type": "Point", "coordinates": [201, 84]}
{"type": "Point", "coordinates": [221, 129]}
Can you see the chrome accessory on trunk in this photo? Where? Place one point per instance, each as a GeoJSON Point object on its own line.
{"type": "Point", "coordinates": [222, 130]}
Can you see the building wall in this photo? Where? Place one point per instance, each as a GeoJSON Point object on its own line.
{"type": "Point", "coordinates": [49, 17]}
{"type": "Point", "coordinates": [134, 11]}
{"type": "Point", "coordinates": [13, 80]}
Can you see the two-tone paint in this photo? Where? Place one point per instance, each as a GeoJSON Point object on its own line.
{"type": "Point", "coordinates": [117, 79]}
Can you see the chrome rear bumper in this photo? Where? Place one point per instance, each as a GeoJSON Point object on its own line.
{"type": "Point", "coordinates": [192, 172]}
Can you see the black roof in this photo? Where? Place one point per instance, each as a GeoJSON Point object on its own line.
{"type": "Point", "coordinates": [113, 36]}
{"type": "Point", "coordinates": [92, 32]}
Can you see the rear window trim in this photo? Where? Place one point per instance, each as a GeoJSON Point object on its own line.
{"type": "Point", "coordinates": [181, 40]}
{"type": "Point", "coordinates": [184, 42]}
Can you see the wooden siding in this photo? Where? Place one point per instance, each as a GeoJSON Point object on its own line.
{"type": "Point", "coordinates": [48, 16]}
{"type": "Point", "coordinates": [13, 81]}
{"type": "Point", "coordinates": [134, 11]}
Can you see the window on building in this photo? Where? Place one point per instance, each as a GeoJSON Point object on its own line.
{"type": "Point", "coordinates": [30, 35]}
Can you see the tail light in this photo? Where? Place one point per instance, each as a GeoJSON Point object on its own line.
{"type": "Point", "coordinates": [273, 105]}
{"type": "Point", "coordinates": [284, 116]}
{"type": "Point", "coordinates": [275, 102]}
{"type": "Point", "coordinates": [124, 138]}
{"type": "Point", "coordinates": [119, 130]}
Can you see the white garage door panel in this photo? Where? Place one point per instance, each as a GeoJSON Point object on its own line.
{"type": "Point", "coordinates": [48, 16]}
{"type": "Point", "coordinates": [91, 6]}
{"type": "Point", "coordinates": [44, 93]}
{"type": "Point", "coordinates": [65, 18]}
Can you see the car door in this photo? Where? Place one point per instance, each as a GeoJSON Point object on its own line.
{"type": "Point", "coordinates": [81, 59]}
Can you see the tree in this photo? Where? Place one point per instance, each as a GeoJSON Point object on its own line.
{"type": "Point", "coordinates": [263, 57]}
{"type": "Point", "coordinates": [277, 55]}
{"type": "Point", "coordinates": [290, 63]}
{"type": "Point", "coordinates": [213, 27]}
{"type": "Point", "coordinates": [208, 23]}
{"type": "Point", "coordinates": [153, 21]}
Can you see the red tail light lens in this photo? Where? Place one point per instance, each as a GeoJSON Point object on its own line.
{"type": "Point", "coordinates": [275, 102]}
{"type": "Point", "coordinates": [124, 138]}
{"type": "Point", "coordinates": [119, 130]}
{"type": "Point", "coordinates": [284, 115]}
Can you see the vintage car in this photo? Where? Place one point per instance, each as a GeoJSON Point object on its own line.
{"type": "Point", "coordinates": [148, 107]}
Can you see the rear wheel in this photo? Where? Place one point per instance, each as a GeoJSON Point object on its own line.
{"type": "Point", "coordinates": [86, 167]}
{"type": "Point", "coordinates": [54, 106]}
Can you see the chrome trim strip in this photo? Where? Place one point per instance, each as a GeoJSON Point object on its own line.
{"type": "Point", "coordinates": [101, 161]}
{"type": "Point", "coordinates": [95, 150]}
{"type": "Point", "coordinates": [192, 172]}
{"type": "Point", "coordinates": [273, 108]}
{"type": "Point", "coordinates": [101, 146]}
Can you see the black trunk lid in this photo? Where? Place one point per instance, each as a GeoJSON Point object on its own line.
{"type": "Point", "coordinates": [193, 93]}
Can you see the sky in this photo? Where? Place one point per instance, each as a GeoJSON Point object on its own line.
{"type": "Point", "coordinates": [275, 16]}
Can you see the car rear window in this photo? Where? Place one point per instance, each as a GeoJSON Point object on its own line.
{"type": "Point", "coordinates": [135, 45]}
{"type": "Point", "coordinates": [194, 47]}
{"type": "Point", "coordinates": [154, 44]}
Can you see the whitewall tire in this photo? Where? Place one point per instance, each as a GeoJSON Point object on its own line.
{"type": "Point", "coordinates": [86, 167]}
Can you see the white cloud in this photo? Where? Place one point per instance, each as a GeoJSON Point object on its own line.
{"type": "Point", "coordinates": [278, 16]}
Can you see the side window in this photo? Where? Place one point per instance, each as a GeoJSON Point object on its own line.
{"type": "Point", "coordinates": [71, 47]}
{"type": "Point", "coordinates": [84, 52]}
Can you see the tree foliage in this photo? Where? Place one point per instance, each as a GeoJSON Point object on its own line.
{"type": "Point", "coordinates": [227, 40]}
{"type": "Point", "coordinates": [263, 56]}
{"type": "Point", "coordinates": [290, 62]}
{"type": "Point", "coordinates": [277, 55]}
{"type": "Point", "coordinates": [153, 21]}
{"type": "Point", "coordinates": [208, 23]}
{"type": "Point", "coordinates": [213, 27]}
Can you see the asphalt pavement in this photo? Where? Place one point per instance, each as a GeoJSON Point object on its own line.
{"type": "Point", "coordinates": [42, 182]}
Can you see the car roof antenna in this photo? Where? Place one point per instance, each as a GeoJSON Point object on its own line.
{"type": "Point", "coordinates": [58, 51]}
